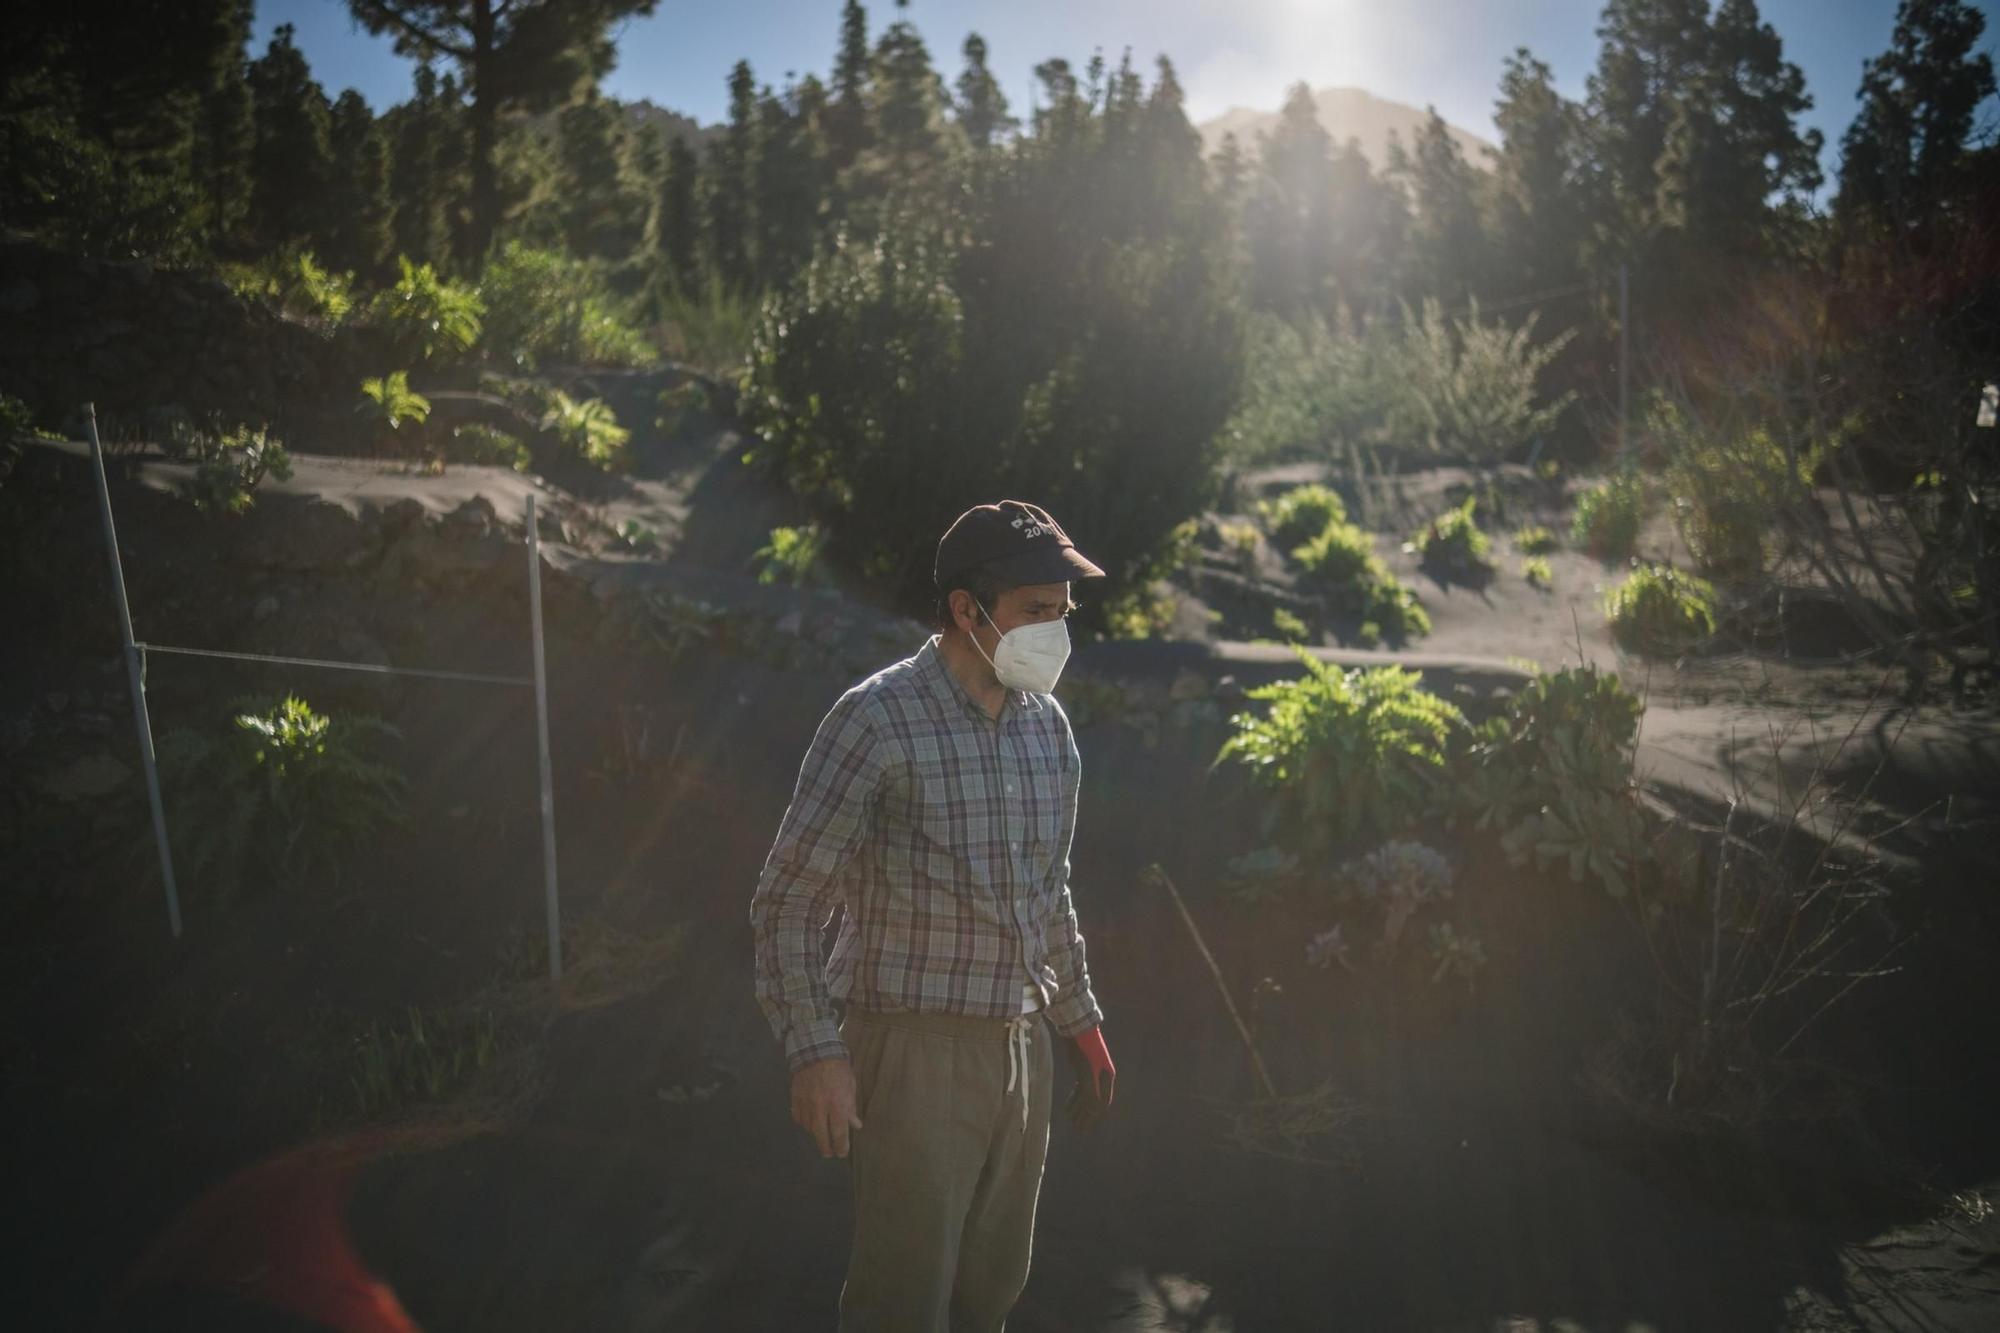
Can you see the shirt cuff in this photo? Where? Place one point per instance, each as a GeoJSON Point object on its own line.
{"type": "Point", "coordinates": [812, 1042]}
{"type": "Point", "coordinates": [1075, 1014]}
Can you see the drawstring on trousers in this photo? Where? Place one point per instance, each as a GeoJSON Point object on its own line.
{"type": "Point", "coordinates": [1017, 1060]}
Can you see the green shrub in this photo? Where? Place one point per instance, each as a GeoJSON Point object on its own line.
{"type": "Point", "coordinates": [388, 403]}
{"type": "Point", "coordinates": [1608, 517]}
{"type": "Point", "coordinates": [712, 330]}
{"type": "Point", "coordinates": [476, 442]}
{"type": "Point", "coordinates": [1301, 514]}
{"type": "Point", "coordinates": [1341, 560]}
{"type": "Point", "coordinates": [1289, 627]}
{"type": "Point", "coordinates": [1421, 383]}
{"type": "Point", "coordinates": [1241, 541]}
{"type": "Point", "coordinates": [791, 556]}
{"type": "Point", "coordinates": [587, 428]}
{"type": "Point", "coordinates": [1553, 777]}
{"type": "Point", "coordinates": [1469, 390]}
{"type": "Point", "coordinates": [1341, 563]}
{"type": "Point", "coordinates": [228, 468]}
{"type": "Point", "coordinates": [1730, 488]}
{"type": "Point", "coordinates": [293, 281]}
{"type": "Point", "coordinates": [16, 418]}
{"type": "Point", "coordinates": [1534, 539]}
{"type": "Point", "coordinates": [1538, 572]}
{"type": "Point", "coordinates": [1453, 540]}
{"type": "Point", "coordinates": [1392, 613]}
{"type": "Point", "coordinates": [685, 401]}
{"type": "Point", "coordinates": [1308, 387]}
{"type": "Point", "coordinates": [1661, 610]}
{"type": "Point", "coordinates": [1385, 898]}
{"type": "Point", "coordinates": [1086, 353]}
{"type": "Point", "coordinates": [283, 792]}
{"type": "Point", "coordinates": [426, 317]}
{"type": "Point", "coordinates": [544, 307]}
{"type": "Point", "coordinates": [1347, 755]}
{"type": "Point", "coordinates": [427, 1057]}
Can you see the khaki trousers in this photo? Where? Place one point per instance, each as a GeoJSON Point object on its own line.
{"type": "Point", "coordinates": [945, 1176]}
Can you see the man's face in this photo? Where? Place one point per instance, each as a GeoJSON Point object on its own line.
{"type": "Point", "coordinates": [1029, 604]}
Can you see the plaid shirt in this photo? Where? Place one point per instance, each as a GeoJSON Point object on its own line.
{"type": "Point", "coordinates": [945, 833]}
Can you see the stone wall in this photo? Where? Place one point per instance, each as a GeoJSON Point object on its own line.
{"type": "Point", "coordinates": [132, 339]}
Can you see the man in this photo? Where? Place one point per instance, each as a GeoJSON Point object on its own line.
{"type": "Point", "coordinates": [936, 805]}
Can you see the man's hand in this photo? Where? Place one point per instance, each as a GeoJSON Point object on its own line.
{"type": "Point", "coordinates": [1096, 1077]}
{"type": "Point", "coordinates": [823, 1104]}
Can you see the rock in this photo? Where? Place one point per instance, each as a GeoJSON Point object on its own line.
{"type": "Point", "coordinates": [422, 556]}
{"type": "Point", "coordinates": [318, 536]}
{"type": "Point", "coordinates": [474, 518]}
{"type": "Point", "coordinates": [400, 516]}
{"type": "Point", "coordinates": [1188, 684]}
{"type": "Point", "coordinates": [84, 779]}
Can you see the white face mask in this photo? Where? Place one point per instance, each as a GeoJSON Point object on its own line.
{"type": "Point", "coordinates": [1029, 657]}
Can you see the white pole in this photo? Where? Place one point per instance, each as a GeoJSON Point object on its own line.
{"type": "Point", "coordinates": [542, 737]}
{"type": "Point", "coordinates": [140, 718]}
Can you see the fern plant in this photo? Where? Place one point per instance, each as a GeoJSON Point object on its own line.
{"type": "Point", "coordinates": [1453, 541]}
{"type": "Point", "coordinates": [285, 791]}
{"type": "Point", "coordinates": [1659, 609]}
{"type": "Point", "coordinates": [427, 317]}
{"type": "Point", "coordinates": [1347, 754]}
{"type": "Point", "coordinates": [791, 556]}
{"type": "Point", "coordinates": [389, 401]}
{"type": "Point", "coordinates": [587, 428]}
{"type": "Point", "coordinates": [1301, 513]}
{"type": "Point", "coordinates": [1608, 516]}
{"type": "Point", "coordinates": [1534, 539]}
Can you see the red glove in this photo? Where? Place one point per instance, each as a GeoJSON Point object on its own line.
{"type": "Point", "coordinates": [1096, 1076]}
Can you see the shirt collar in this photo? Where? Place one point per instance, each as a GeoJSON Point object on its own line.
{"type": "Point", "coordinates": [947, 690]}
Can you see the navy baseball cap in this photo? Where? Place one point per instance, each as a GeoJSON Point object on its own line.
{"type": "Point", "coordinates": [1015, 542]}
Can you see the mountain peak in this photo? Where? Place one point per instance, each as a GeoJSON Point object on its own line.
{"type": "Point", "coordinates": [1344, 113]}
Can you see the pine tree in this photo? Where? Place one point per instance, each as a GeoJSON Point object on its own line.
{"type": "Point", "coordinates": [416, 176]}
{"type": "Point", "coordinates": [789, 179]}
{"type": "Point", "coordinates": [356, 235]}
{"type": "Point", "coordinates": [1539, 212]}
{"type": "Point", "coordinates": [1907, 146]}
{"type": "Point", "coordinates": [1447, 243]}
{"type": "Point", "coordinates": [223, 137]}
{"type": "Point", "coordinates": [1694, 129]}
{"type": "Point", "coordinates": [290, 161]}
{"type": "Point", "coordinates": [908, 100]}
{"type": "Point", "coordinates": [847, 128]}
{"type": "Point", "coordinates": [982, 107]}
{"type": "Point", "coordinates": [727, 182]}
{"type": "Point", "coordinates": [1285, 220]}
{"type": "Point", "coordinates": [601, 218]}
{"type": "Point", "coordinates": [677, 228]}
{"type": "Point", "coordinates": [533, 54]}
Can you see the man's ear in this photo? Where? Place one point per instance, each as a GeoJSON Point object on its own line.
{"type": "Point", "coordinates": [964, 613]}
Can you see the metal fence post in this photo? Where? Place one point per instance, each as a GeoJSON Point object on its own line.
{"type": "Point", "coordinates": [542, 737]}
{"type": "Point", "coordinates": [140, 717]}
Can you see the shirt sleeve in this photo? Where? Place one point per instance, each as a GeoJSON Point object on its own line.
{"type": "Point", "coordinates": [1075, 1008]}
{"type": "Point", "coordinates": [829, 819]}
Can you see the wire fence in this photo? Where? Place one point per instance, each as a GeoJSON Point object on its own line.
{"type": "Point", "coordinates": [136, 653]}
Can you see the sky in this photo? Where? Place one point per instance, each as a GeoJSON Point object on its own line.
{"type": "Point", "coordinates": [1446, 53]}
